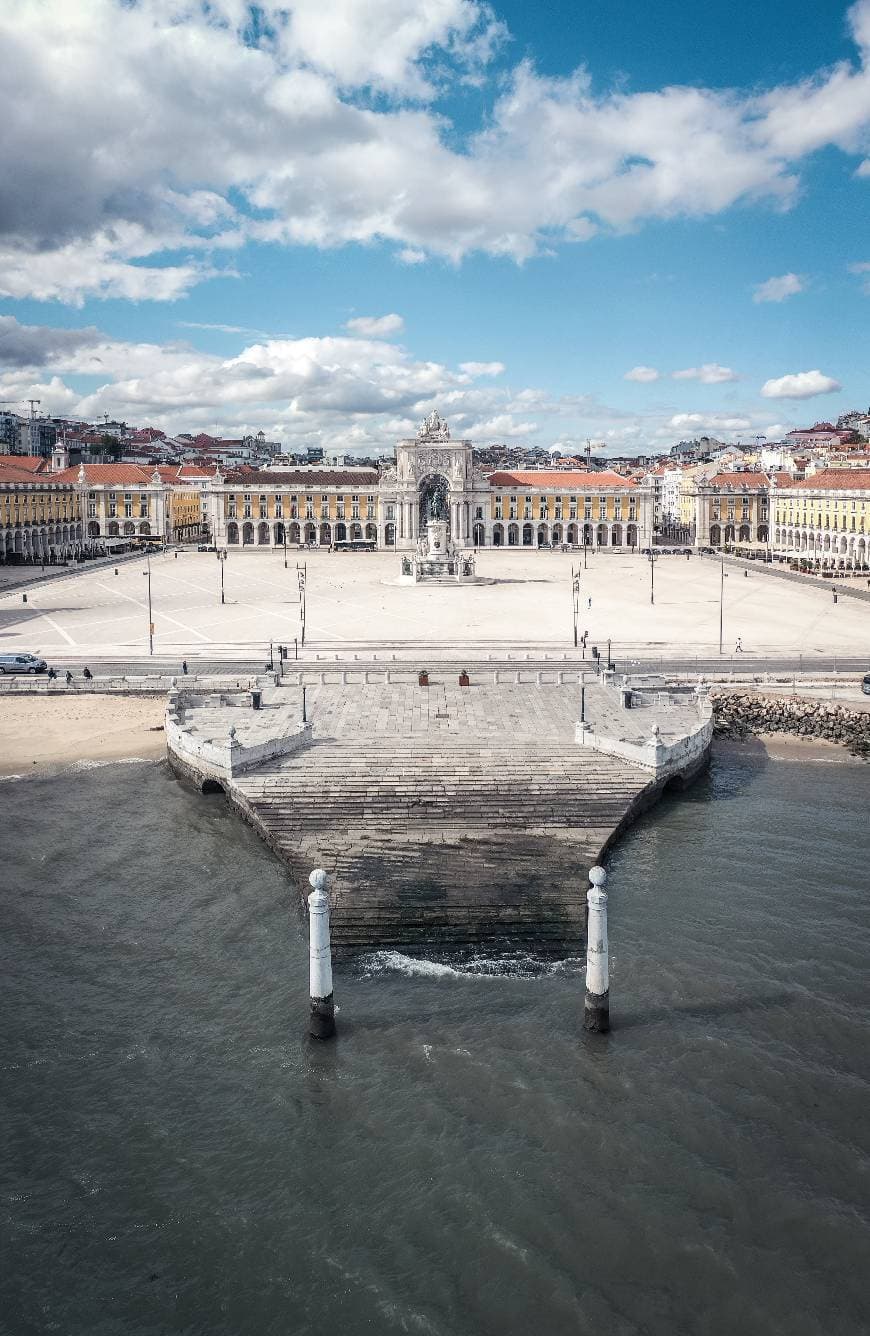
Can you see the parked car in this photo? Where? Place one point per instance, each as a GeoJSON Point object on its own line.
{"type": "Point", "coordinates": [22, 663]}
{"type": "Point", "coordinates": [865, 684]}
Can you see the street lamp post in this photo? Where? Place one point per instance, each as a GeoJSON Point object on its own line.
{"type": "Point", "coordinates": [721, 602]}
{"type": "Point", "coordinates": [222, 556]}
{"type": "Point", "coordinates": [575, 599]}
{"type": "Point", "coordinates": [284, 532]}
{"type": "Point", "coordinates": [150, 620]}
{"type": "Point", "coordinates": [653, 558]}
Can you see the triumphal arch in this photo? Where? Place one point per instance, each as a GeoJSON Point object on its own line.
{"type": "Point", "coordinates": [435, 479]}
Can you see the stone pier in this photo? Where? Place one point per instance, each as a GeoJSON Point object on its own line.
{"type": "Point", "coordinates": [446, 816]}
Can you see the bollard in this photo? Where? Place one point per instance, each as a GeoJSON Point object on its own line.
{"type": "Point", "coordinates": [23, 598]}
{"type": "Point", "coordinates": [596, 1012]}
{"type": "Point", "coordinates": [321, 1022]}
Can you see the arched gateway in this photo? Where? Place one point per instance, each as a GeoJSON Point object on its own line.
{"type": "Point", "coordinates": [435, 479]}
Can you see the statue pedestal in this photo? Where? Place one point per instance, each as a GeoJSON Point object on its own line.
{"type": "Point", "coordinates": [436, 539]}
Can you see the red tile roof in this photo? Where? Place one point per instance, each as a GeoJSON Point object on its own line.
{"type": "Point", "coordinates": [10, 473]}
{"type": "Point", "coordinates": [31, 463]}
{"type": "Point", "coordinates": [567, 481]}
{"type": "Point", "coordinates": [844, 480]}
{"type": "Point", "coordinates": [738, 480]}
{"type": "Point", "coordinates": [305, 478]}
{"type": "Point", "coordinates": [122, 474]}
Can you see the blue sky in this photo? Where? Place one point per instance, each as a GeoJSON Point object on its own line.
{"type": "Point", "coordinates": [520, 206]}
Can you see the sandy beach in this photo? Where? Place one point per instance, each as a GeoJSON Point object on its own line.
{"type": "Point", "coordinates": [787, 747]}
{"type": "Point", "coordinates": [41, 733]}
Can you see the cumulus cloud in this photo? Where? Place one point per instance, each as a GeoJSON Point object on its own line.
{"type": "Point", "coordinates": [375, 326]}
{"type": "Point", "coordinates": [711, 373]}
{"type": "Point", "coordinates": [37, 345]}
{"type": "Point", "coordinates": [644, 374]}
{"type": "Point", "coordinates": [801, 385]}
{"type": "Point", "coordinates": [777, 289]}
{"type": "Point", "coordinates": [353, 393]}
{"type": "Point", "coordinates": [863, 169]}
{"type": "Point", "coordinates": [330, 138]}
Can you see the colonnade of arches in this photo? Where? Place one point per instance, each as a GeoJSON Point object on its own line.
{"type": "Point", "coordinates": [825, 547]}
{"type": "Point", "coordinates": [738, 533]}
{"type": "Point", "coordinates": [249, 533]}
{"type": "Point", "coordinates": [119, 528]}
{"type": "Point", "coordinates": [40, 542]}
{"type": "Point", "coordinates": [514, 533]}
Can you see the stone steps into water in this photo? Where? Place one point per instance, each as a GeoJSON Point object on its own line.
{"type": "Point", "coordinates": [445, 840]}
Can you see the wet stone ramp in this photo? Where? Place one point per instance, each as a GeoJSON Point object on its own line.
{"type": "Point", "coordinates": [474, 825]}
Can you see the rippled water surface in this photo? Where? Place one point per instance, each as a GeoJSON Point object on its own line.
{"type": "Point", "coordinates": [178, 1158]}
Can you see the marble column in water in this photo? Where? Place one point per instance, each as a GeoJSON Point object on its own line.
{"type": "Point", "coordinates": [321, 1023]}
{"type": "Point", "coordinates": [596, 1015]}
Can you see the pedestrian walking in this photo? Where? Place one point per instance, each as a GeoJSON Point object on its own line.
{"type": "Point", "coordinates": [51, 674]}
{"type": "Point", "coordinates": [184, 666]}
{"type": "Point", "coordinates": [738, 648]}
{"type": "Point", "coordinates": [68, 677]}
{"type": "Point", "coordinates": [87, 674]}
{"type": "Point", "coordinates": [589, 603]}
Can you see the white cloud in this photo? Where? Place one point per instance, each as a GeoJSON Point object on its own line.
{"type": "Point", "coordinates": [350, 392]}
{"type": "Point", "coordinates": [644, 374]}
{"type": "Point", "coordinates": [375, 326]}
{"type": "Point", "coordinates": [476, 369]}
{"type": "Point", "coordinates": [777, 289]}
{"type": "Point", "coordinates": [222, 329]}
{"type": "Point", "coordinates": [329, 139]}
{"type": "Point", "coordinates": [711, 373]}
{"type": "Point", "coordinates": [381, 45]}
{"type": "Point", "coordinates": [801, 385]}
{"type": "Point", "coordinates": [863, 169]}
{"type": "Point", "coordinates": [496, 428]}
{"type": "Point", "coordinates": [709, 422]}
{"type": "Point", "coordinates": [97, 267]}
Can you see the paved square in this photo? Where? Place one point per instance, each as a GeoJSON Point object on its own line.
{"type": "Point", "coordinates": [354, 601]}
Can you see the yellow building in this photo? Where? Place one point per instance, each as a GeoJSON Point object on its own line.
{"type": "Point", "coordinates": [824, 519]}
{"type": "Point", "coordinates": [539, 509]}
{"type": "Point", "coordinates": [731, 509]}
{"type": "Point", "coordinates": [120, 501]}
{"type": "Point", "coordinates": [40, 519]}
{"type": "Point", "coordinates": [317, 506]}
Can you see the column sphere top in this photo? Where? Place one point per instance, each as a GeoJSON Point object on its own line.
{"type": "Point", "coordinates": [597, 876]}
{"type": "Point", "coordinates": [317, 879]}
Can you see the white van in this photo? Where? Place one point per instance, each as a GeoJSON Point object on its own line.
{"type": "Point", "coordinates": [21, 663]}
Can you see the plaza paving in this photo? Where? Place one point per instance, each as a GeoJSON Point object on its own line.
{"type": "Point", "coordinates": [354, 602]}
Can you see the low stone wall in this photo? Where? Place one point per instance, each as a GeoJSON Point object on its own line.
{"type": "Point", "coordinates": [219, 760]}
{"type": "Point", "coordinates": [739, 714]}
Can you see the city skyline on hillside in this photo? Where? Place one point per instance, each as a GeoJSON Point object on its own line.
{"type": "Point", "coordinates": [633, 228]}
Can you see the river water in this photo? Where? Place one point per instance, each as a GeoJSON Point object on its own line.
{"type": "Point", "coordinates": [463, 1160]}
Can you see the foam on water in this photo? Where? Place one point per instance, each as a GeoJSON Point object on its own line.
{"type": "Point", "coordinates": [511, 966]}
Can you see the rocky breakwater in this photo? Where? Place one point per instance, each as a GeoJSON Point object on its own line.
{"type": "Point", "coordinates": [741, 714]}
